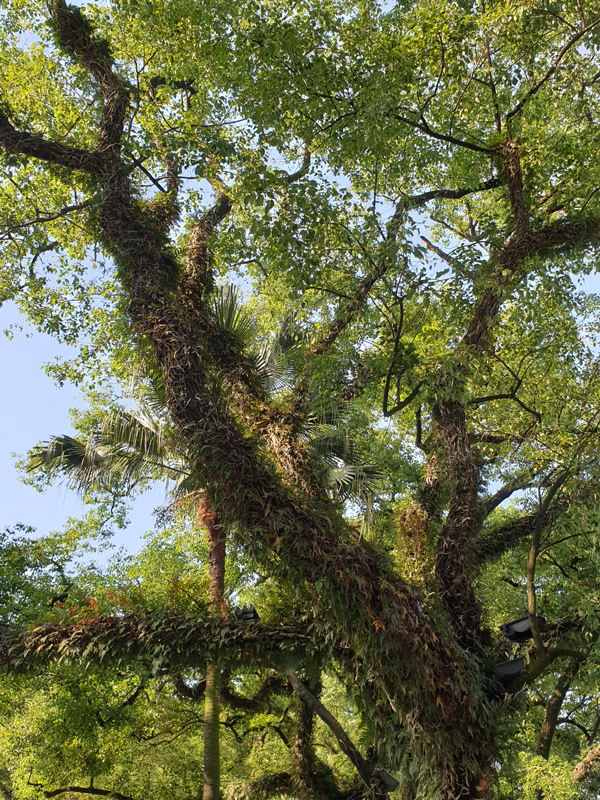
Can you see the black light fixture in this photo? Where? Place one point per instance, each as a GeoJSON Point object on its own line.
{"type": "Point", "coordinates": [502, 676]}
{"type": "Point", "coordinates": [507, 671]}
{"type": "Point", "coordinates": [388, 780]}
{"type": "Point", "coordinates": [519, 630]}
{"type": "Point", "coordinates": [246, 613]}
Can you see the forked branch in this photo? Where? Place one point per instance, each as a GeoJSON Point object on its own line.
{"type": "Point", "coordinates": [348, 313]}
{"type": "Point", "coordinates": [73, 28]}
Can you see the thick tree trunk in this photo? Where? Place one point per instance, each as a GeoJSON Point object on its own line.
{"type": "Point", "coordinates": [306, 783]}
{"type": "Point", "coordinates": [216, 555]}
{"type": "Point", "coordinates": [452, 569]}
{"type": "Point", "coordinates": [280, 522]}
{"type": "Point", "coordinates": [304, 754]}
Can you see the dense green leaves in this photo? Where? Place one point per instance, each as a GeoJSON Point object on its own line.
{"type": "Point", "coordinates": [406, 197]}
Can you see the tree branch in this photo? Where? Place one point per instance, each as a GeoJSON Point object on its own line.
{"type": "Point", "coordinates": [197, 249]}
{"type": "Point", "coordinates": [505, 492]}
{"type": "Point", "coordinates": [388, 412]}
{"type": "Point", "coordinates": [578, 725]}
{"type": "Point", "coordinates": [587, 764]}
{"type": "Point", "coordinates": [533, 554]}
{"type": "Point", "coordinates": [346, 315]}
{"type": "Point", "coordinates": [512, 395]}
{"type": "Point", "coordinates": [334, 726]}
{"type": "Point", "coordinates": [194, 693]}
{"type": "Point", "coordinates": [272, 684]}
{"type": "Point", "coordinates": [140, 165]}
{"type": "Point", "coordinates": [106, 639]}
{"type": "Point", "coordinates": [74, 30]}
{"type": "Point", "coordinates": [553, 707]}
{"type": "Point", "coordinates": [129, 701]}
{"type": "Point", "coordinates": [419, 200]}
{"type": "Point", "coordinates": [514, 177]}
{"type": "Point", "coordinates": [443, 137]}
{"type": "Point", "coordinates": [27, 144]}
{"type": "Point", "coordinates": [454, 262]}
{"type": "Point", "coordinates": [348, 312]}
{"type": "Point", "coordinates": [63, 212]}
{"type": "Point", "coordinates": [550, 72]}
{"type": "Point", "coordinates": [85, 790]}
{"type": "Point", "coordinates": [300, 173]}
{"type": "Point", "coordinates": [492, 544]}
{"type": "Point", "coordinates": [508, 262]}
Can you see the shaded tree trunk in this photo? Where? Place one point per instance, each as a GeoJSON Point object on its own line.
{"type": "Point", "coordinates": [553, 708]}
{"type": "Point", "coordinates": [216, 555]}
{"type": "Point", "coordinates": [307, 786]}
{"type": "Point", "coordinates": [303, 752]}
{"type": "Point", "coordinates": [212, 697]}
{"type": "Point", "coordinates": [452, 573]}
{"type": "Point", "coordinates": [312, 544]}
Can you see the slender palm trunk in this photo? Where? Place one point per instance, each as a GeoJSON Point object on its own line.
{"type": "Point", "coordinates": [212, 697]}
{"type": "Point", "coordinates": [212, 761]}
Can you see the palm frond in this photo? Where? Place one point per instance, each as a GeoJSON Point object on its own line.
{"type": "Point", "coordinates": [272, 360]}
{"type": "Point", "coordinates": [231, 316]}
{"type": "Point", "coordinates": [354, 481]}
{"type": "Point", "coordinates": [272, 370]}
{"type": "Point", "coordinates": [138, 431]}
{"type": "Point", "coordinates": [289, 335]}
{"type": "Point", "coordinates": [83, 465]}
{"type": "Point", "coordinates": [124, 448]}
{"type": "Point", "coordinates": [330, 444]}
{"type": "Point", "coordinates": [138, 443]}
{"type": "Point", "coordinates": [346, 473]}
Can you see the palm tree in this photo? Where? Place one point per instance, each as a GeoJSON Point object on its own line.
{"type": "Point", "coordinates": [125, 448]}
{"type": "Point", "coordinates": [336, 457]}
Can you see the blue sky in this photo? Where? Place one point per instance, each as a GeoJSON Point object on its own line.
{"type": "Point", "coordinates": [32, 408]}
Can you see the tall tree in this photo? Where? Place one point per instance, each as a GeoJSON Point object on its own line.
{"type": "Point", "coordinates": [475, 121]}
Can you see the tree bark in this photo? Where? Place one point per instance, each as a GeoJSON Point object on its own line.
{"type": "Point", "coordinates": [305, 541]}
{"type": "Point", "coordinates": [303, 752]}
{"type": "Point", "coordinates": [346, 744]}
{"type": "Point", "coordinates": [452, 570]}
{"type": "Point", "coordinates": [212, 760]}
{"type": "Point", "coordinates": [587, 765]}
{"type": "Point", "coordinates": [553, 708]}
{"type": "Point", "coordinates": [212, 697]}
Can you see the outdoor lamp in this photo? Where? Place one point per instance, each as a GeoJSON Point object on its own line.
{"type": "Point", "coordinates": [519, 630]}
{"type": "Point", "coordinates": [246, 613]}
{"type": "Point", "coordinates": [384, 776]}
{"type": "Point", "coordinates": [508, 670]}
